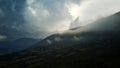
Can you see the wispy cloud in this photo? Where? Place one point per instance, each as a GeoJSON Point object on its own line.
{"type": "Point", "coordinates": [3, 37]}
{"type": "Point", "coordinates": [2, 14]}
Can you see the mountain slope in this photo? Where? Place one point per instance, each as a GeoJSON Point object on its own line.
{"type": "Point", "coordinates": [109, 25]}
{"type": "Point", "coordinates": [96, 45]}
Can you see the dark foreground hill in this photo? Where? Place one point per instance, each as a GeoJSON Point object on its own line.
{"type": "Point", "coordinates": [96, 45]}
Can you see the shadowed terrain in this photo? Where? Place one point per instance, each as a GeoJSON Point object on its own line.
{"type": "Point", "coordinates": [95, 45]}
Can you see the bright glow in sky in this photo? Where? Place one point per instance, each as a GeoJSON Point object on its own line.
{"type": "Point", "coordinates": [91, 10]}
{"type": "Point", "coordinates": [74, 10]}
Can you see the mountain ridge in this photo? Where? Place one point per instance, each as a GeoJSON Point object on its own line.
{"type": "Point", "coordinates": [96, 45]}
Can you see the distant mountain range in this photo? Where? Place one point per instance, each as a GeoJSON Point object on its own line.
{"type": "Point", "coordinates": [16, 45]}
{"type": "Point", "coordinates": [96, 45]}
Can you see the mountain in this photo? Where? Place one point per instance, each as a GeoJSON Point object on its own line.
{"type": "Point", "coordinates": [96, 45]}
{"type": "Point", "coordinates": [16, 45]}
{"type": "Point", "coordinates": [102, 27]}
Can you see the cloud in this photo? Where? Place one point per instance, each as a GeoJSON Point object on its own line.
{"type": "Point", "coordinates": [93, 9]}
{"type": "Point", "coordinates": [55, 16]}
{"type": "Point", "coordinates": [49, 41]}
{"type": "Point", "coordinates": [73, 9]}
{"type": "Point", "coordinates": [30, 1]}
{"type": "Point", "coordinates": [2, 14]}
{"type": "Point", "coordinates": [11, 18]}
{"type": "Point", "coordinates": [76, 38]}
{"type": "Point", "coordinates": [3, 37]}
{"type": "Point", "coordinates": [48, 16]}
{"type": "Point", "coordinates": [58, 39]}
{"type": "Point", "coordinates": [40, 18]}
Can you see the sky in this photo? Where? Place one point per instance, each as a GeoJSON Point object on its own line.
{"type": "Point", "coordinates": [40, 18]}
{"type": "Point", "coordinates": [62, 13]}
